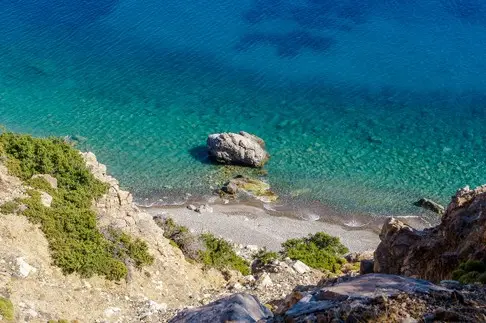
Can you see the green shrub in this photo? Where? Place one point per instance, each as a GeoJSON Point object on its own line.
{"type": "Point", "coordinates": [456, 274]}
{"type": "Point", "coordinates": [471, 271]}
{"type": "Point", "coordinates": [220, 254]}
{"type": "Point", "coordinates": [473, 265]}
{"type": "Point", "coordinates": [6, 309]}
{"type": "Point", "coordinates": [76, 244]}
{"type": "Point", "coordinates": [482, 278]}
{"type": "Point", "coordinates": [124, 247]}
{"type": "Point", "coordinates": [180, 237]}
{"type": "Point", "coordinates": [320, 251]}
{"type": "Point", "coordinates": [469, 278]}
{"type": "Point", "coordinates": [9, 207]}
{"type": "Point", "coordinates": [264, 257]}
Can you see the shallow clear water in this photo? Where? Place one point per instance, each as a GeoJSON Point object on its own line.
{"type": "Point", "coordinates": [365, 105]}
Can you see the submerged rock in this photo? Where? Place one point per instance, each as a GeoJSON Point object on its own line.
{"type": "Point", "coordinates": [235, 308]}
{"type": "Point", "coordinates": [435, 252]}
{"type": "Point", "coordinates": [256, 188]}
{"type": "Point", "coordinates": [430, 205]}
{"type": "Point", "coordinates": [240, 149]}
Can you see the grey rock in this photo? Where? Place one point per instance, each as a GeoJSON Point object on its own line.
{"type": "Point", "coordinates": [46, 199]}
{"type": "Point", "coordinates": [240, 307]}
{"type": "Point", "coordinates": [360, 290]}
{"type": "Point", "coordinates": [366, 266]}
{"type": "Point", "coordinates": [230, 188]}
{"type": "Point", "coordinates": [191, 207]}
{"type": "Point", "coordinates": [204, 209]}
{"type": "Point", "coordinates": [300, 267]}
{"type": "Point", "coordinates": [451, 284]}
{"type": "Point", "coordinates": [430, 205]}
{"type": "Point", "coordinates": [264, 281]}
{"type": "Point", "coordinates": [24, 269]}
{"type": "Point", "coordinates": [237, 148]}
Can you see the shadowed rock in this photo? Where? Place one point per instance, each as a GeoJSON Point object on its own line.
{"type": "Point", "coordinates": [235, 308]}
{"type": "Point", "coordinates": [430, 205]}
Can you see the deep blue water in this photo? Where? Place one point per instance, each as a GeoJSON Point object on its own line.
{"type": "Point", "coordinates": [365, 105]}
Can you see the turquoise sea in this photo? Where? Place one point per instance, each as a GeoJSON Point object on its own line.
{"type": "Point", "coordinates": [365, 106]}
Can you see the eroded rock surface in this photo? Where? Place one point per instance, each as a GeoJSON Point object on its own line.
{"type": "Point", "coordinates": [435, 252]}
{"type": "Point", "coordinates": [235, 308]}
{"type": "Point", "coordinates": [237, 148]}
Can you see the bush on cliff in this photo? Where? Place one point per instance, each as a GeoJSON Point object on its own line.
{"type": "Point", "coordinates": [471, 271]}
{"type": "Point", "coordinates": [69, 225]}
{"type": "Point", "coordinates": [206, 248]}
{"type": "Point", "coordinates": [220, 254]}
{"type": "Point", "coordinates": [320, 251]}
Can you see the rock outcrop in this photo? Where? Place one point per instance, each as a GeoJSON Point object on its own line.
{"type": "Point", "coordinates": [235, 308]}
{"type": "Point", "coordinates": [435, 252]}
{"type": "Point", "coordinates": [365, 298]}
{"type": "Point", "coordinates": [237, 148]}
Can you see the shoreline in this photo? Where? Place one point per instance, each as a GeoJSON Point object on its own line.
{"type": "Point", "coordinates": [251, 223]}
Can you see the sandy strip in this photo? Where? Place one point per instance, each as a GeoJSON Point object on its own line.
{"type": "Point", "coordinates": [249, 225]}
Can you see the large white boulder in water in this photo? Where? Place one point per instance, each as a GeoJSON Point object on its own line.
{"type": "Point", "coordinates": [238, 148]}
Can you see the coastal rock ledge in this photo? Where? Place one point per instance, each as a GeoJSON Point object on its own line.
{"type": "Point", "coordinates": [434, 253]}
{"type": "Point", "coordinates": [238, 149]}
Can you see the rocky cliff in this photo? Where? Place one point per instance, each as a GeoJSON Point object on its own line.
{"type": "Point", "coordinates": [40, 292]}
{"type": "Point", "coordinates": [435, 253]}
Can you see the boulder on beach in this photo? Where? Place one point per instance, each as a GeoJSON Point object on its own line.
{"type": "Point", "coordinates": [238, 149]}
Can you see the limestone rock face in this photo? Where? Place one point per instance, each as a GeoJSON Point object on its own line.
{"type": "Point", "coordinates": [435, 252]}
{"type": "Point", "coordinates": [235, 308]}
{"type": "Point", "coordinates": [237, 148]}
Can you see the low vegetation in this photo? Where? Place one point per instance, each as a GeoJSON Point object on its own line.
{"type": "Point", "coordinates": [76, 243]}
{"type": "Point", "coordinates": [471, 271]}
{"type": "Point", "coordinates": [9, 207]}
{"type": "Point", "coordinates": [6, 310]}
{"type": "Point", "coordinates": [220, 254]}
{"type": "Point", "coordinates": [265, 257]}
{"type": "Point", "coordinates": [320, 251]}
{"type": "Point", "coordinates": [206, 248]}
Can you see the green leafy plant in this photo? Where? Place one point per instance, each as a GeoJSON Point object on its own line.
{"type": "Point", "coordinates": [76, 244]}
{"type": "Point", "coordinates": [320, 251]}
